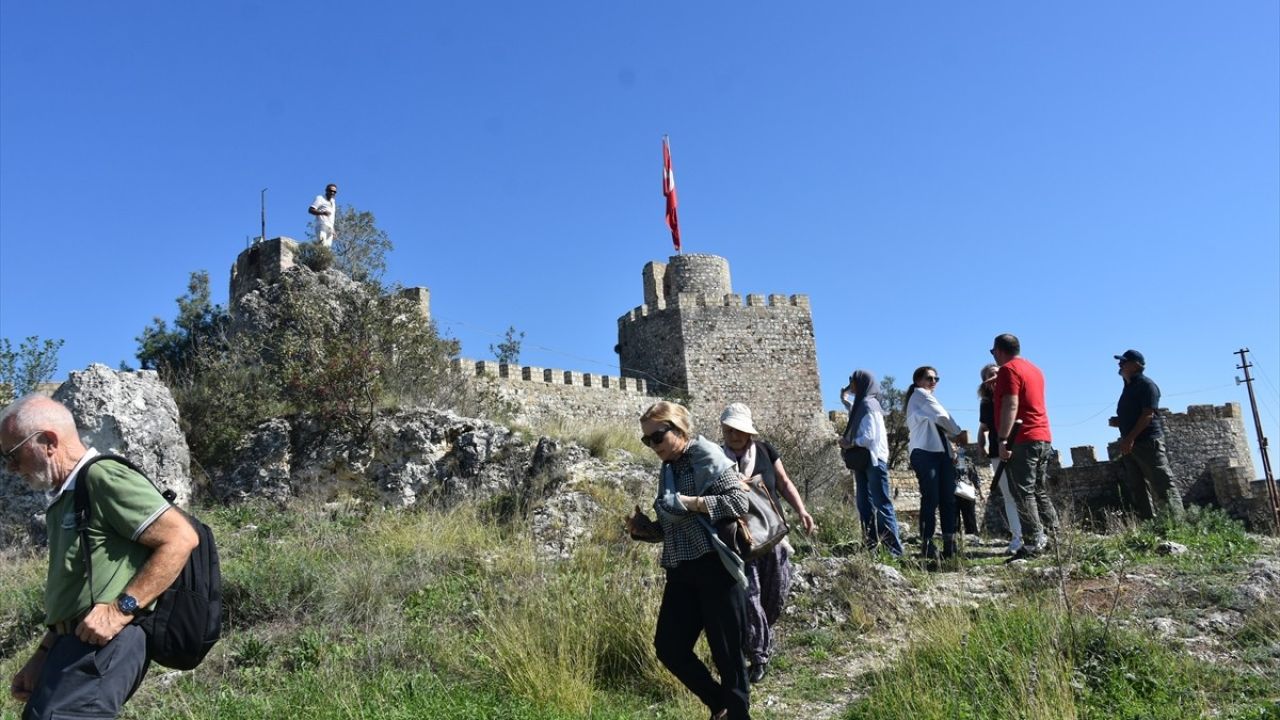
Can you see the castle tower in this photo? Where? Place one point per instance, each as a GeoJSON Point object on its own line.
{"type": "Point", "coordinates": [264, 262]}
{"type": "Point", "coordinates": [694, 339]}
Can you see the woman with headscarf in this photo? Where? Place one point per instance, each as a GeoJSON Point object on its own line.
{"type": "Point", "coordinates": [866, 442]}
{"type": "Point", "coordinates": [706, 586]}
{"type": "Point", "coordinates": [769, 576]}
{"type": "Point", "coordinates": [930, 426]}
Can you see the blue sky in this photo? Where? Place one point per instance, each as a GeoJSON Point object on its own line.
{"type": "Point", "coordinates": [1090, 176]}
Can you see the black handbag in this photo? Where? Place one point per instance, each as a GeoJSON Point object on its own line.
{"type": "Point", "coordinates": [856, 457]}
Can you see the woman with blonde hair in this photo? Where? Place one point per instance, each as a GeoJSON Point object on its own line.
{"type": "Point", "coordinates": [705, 589]}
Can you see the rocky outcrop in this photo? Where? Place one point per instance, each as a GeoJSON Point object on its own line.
{"type": "Point", "coordinates": [125, 413]}
{"type": "Point", "coordinates": [437, 458]}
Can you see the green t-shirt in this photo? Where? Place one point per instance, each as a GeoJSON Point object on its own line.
{"type": "Point", "coordinates": [122, 504]}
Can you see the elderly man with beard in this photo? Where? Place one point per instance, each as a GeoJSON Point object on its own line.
{"type": "Point", "coordinates": [92, 658]}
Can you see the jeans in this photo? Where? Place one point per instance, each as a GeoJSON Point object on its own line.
{"type": "Point", "coordinates": [937, 477]}
{"type": "Point", "coordinates": [1028, 470]}
{"type": "Point", "coordinates": [875, 509]}
{"type": "Point", "coordinates": [701, 595]}
{"type": "Point", "coordinates": [1148, 477]}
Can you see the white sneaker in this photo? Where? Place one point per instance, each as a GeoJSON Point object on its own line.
{"type": "Point", "coordinates": [1013, 546]}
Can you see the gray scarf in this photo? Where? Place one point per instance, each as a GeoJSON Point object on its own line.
{"type": "Point", "coordinates": [865, 400]}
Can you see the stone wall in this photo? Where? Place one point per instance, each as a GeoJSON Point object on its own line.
{"type": "Point", "coordinates": [1198, 437]}
{"type": "Point", "coordinates": [261, 262]}
{"type": "Point", "coordinates": [542, 396]}
{"type": "Point", "coordinates": [700, 340]}
{"type": "Point", "coordinates": [1205, 445]}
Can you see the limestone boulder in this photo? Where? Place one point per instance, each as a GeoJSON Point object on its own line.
{"type": "Point", "coordinates": [119, 412]}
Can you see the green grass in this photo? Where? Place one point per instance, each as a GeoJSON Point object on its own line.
{"type": "Point", "coordinates": [1026, 661]}
{"type": "Point", "coordinates": [350, 611]}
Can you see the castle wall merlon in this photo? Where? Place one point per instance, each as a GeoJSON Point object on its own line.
{"type": "Point", "coordinates": [654, 275]}
{"type": "Point", "coordinates": [517, 374]}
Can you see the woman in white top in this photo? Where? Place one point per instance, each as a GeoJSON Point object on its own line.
{"type": "Point", "coordinates": [930, 426]}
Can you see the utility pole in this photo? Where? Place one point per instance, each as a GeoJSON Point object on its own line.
{"type": "Point", "coordinates": [264, 214]}
{"type": "Point", "coordinates": [1273, 494]}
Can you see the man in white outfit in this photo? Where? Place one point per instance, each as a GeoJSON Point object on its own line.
{"type": "Point", "coordinates": [325, 210]}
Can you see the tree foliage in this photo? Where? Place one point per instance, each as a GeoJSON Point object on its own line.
{"type": "Point", "coordinates": [337, 351]}
{"type": "Point", "coordinates": [508, 351]}
{"type": "Point", "coordinates": [200, 323]}
{"type": "Point", "coordinates": [895, 421]}
{"type": "Point", "coordinates": [22, 370]}
{"type": "Point", "coordinates": [360, 247]}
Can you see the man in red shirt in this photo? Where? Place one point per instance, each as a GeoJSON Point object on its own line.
{"type": "Point", "coordinates": [1022, 426]}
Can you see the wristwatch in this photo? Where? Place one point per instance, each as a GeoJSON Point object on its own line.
{"type": "Point", "coordinates": [127, 604]}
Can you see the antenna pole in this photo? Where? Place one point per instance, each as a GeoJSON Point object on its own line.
{"type": "Point", "coordinates": [1273, 494]}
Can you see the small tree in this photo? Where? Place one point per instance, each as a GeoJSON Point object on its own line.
{"type": "Point", "coordinates": [360, 247]}
{"type": "Point", "coordinates": [199, 323]}
{"type": "Point", "coordinates": [810, 455]}
{"type": "Point", "coordinates": [22, 370]}
{"type": "Point", "coordinates": [508, 351]}
{"type": "Point", "coordinates": [895, 421]}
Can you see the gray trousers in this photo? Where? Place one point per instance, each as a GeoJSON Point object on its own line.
{"type": "Point", "coordinates": [1028, 471]}
{"type": "Point", "coordinates": [87, 682]}
{"type": "Point", "coordinates": [1149, 485]}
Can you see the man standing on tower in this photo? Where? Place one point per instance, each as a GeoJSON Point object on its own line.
{"type": "Point", "coordinates": [326, 211]}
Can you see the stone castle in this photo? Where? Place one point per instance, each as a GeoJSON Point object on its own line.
{"type": "Point", "coordinates": [693, 340]}
{"type": "Point", "coordinates": [696, 341]}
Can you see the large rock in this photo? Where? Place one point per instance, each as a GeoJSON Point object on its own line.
{"type": "Point", "coordinates": [439, 459]}
{"type": "Point", "coordinates": [406, 456]}
{"type": "Point", "coordinates": [125, 413]}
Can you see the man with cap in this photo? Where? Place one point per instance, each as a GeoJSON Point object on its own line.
{"type": "Point", "coordinates": [769, 576]}
{"type": "Point", "coordinates": [1141, 447]}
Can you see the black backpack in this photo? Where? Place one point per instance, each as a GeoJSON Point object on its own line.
{"type": "Point", "coordinates": [187, 619]}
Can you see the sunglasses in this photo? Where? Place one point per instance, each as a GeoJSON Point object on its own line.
{"type": "Point", "coordinates": [11, 452]}
{"type": "Point", "coordinates": [932, 378]}
{"type": "Point", "coordinates": [655, 437]}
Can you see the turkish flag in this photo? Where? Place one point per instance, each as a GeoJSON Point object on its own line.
{"type": "Point", "coordinates": [669, 192]}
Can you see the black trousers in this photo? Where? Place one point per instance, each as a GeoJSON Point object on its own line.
{"type": "Point", "coordinates": [86, 682]}
{"type": "Point", "coordinates": [701, 595]}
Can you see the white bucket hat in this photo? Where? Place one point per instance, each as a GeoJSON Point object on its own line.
{"type": "Point", "coordinates": [738, 417]}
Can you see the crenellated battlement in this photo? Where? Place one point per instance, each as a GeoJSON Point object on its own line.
{"type": "Point", "coordinates": [1204, 445]}
{"type": "Point", "coordinates": [729, 300]}
{"type": "Point", "coordinates": [550, 376]}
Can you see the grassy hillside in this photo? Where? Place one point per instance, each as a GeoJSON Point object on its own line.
{"type": "Point", "coordinates": [348, 611]}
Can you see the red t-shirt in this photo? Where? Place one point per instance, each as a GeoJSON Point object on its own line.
{"type": "Point", "coordinates": [1024, 380]}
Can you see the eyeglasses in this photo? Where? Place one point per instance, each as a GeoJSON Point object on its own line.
{"type": "Point", "coordinates": [655, 437]}
{"type": "Point", "coordinates": [11, 454]}
{"type": "Point", "coordinates": [992, 351]}
{"type": "Point", "coordinates": [932, 378]}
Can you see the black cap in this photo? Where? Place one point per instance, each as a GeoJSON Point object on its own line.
{"type": "Point", "coordinates": [1133, 355]}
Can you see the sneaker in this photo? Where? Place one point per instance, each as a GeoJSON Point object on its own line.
{"type": "Point", "coordinates": [1013, 546]}
{"type": "Point", "coordinates": [756, 673]}
{"type": "Point", "coordinates": [1024, 553]}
